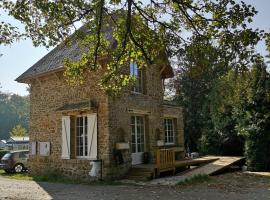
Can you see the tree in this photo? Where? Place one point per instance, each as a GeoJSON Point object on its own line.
{"type": "Point", "coordinates": [18, 131]}
{"type": "Point", "coordinates": [252, 115]}
{"type": "Point", "coordinates": [141, 30]}
{"type": "Point", "coordinates": [219, 135]}
{"type": "Point", "coordinates": [14, 109]}
{"type": "Point", "coordinates": [202, 64]}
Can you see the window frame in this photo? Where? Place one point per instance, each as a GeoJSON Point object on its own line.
{"type": "Point", "coordinates": [85, 137]}
{"type": "Point", "coordinates": [167, 131]}
{"type": "Point", "coordinates": [135, 71]}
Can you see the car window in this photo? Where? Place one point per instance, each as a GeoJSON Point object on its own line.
{"type": "Point", "coordinates": [7, 156]}
{"type": "Point", "coordinates": [23, 155]}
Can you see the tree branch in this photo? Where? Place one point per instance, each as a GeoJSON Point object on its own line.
{"type": "Point", "coordinates": [141, 47]}
{"type": "Point", "coordinates": [99, 31]}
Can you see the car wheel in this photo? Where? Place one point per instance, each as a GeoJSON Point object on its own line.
{"type": "Point", "coordinates": [18, 168]}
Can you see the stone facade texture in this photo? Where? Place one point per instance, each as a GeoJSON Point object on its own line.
{"type": "Point", "coordinates": [50, 92]}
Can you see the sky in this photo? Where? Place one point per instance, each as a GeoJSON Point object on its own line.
{"type": "Point", "coordinates": [18, 57]}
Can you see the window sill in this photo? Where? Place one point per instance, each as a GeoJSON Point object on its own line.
{"type": "Point", "coordinates": [170, 145]}
{"type": "Point", "coordinates": [136, 93]}
{"type": "Point", "coordinates": [82, 158]}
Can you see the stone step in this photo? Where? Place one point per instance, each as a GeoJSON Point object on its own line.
{"type": "Point", "coordinates": [141, 170]}
{"type": "Point", "coordinates": [132, 173]}
{"type": "Point", "coordinates": [138, 178]}
{"type": "Point", "coordinates": [140, 174]}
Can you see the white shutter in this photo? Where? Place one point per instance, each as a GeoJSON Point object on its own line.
{"type": "Point", "coordinates": [92, 136]}
{"type": "Point", "coordinates": [33, 148]}
{"type": "Point", "coordinates": [65, 137]}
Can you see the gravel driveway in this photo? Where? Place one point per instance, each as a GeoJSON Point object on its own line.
{"type": "Point", "coordinates": [224, 187]}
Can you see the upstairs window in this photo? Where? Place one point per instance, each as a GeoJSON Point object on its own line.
{"type": "Point", "coordinates": [138, 74]}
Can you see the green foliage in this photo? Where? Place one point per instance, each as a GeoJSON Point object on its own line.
{"type": "Point", "coordinates": [210, 142]}
{"type": "Point", "coordinates": [240, 104]}
{"type": "Point", "coordinates": [18, 131]}
{"type": "Point", "coordinates": [194, 82]}
{"type": "Point", "coordinates": [16, 176]}
{"type": "Point", "coordinates": [14, 109]}
{"type": "Point", "coordinates": [253, 118]}
{"type": "Point", "coordinates": [223, 98]}
{"type": "Point", "coordinates": [144, 32]}
{"type": "Point", "coordinates": [51, 175]}
{"type": "Point", "coordinates": [196, 179]}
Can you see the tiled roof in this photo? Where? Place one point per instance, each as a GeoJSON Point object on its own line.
{"type": "Point", "coordinates": [53, 60]}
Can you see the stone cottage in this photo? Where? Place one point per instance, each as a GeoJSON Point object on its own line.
{"type": "Point", "coordinates": [73, 125]}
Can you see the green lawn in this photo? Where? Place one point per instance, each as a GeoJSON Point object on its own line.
{"type": "Point", "coordinates": [21, 176]}
{"type": "Point", "coordinates": [48, 177]}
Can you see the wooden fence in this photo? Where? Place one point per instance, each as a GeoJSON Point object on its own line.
{"type": "Point", "coordinates": [165, 161]}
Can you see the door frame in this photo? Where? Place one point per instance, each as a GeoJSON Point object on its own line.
{"type": "Point", "coordinates": [144, 139]}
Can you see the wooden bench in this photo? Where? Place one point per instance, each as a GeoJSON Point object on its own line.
{"type": "Point", "coordinates": [165, 161]}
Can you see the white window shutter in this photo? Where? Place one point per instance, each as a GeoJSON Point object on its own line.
{"type": "Point", "coordinates": [33, 148]}
{"type": "Point", "coordinates": [65, 137]}
{"type": "Point", "coordinates": [92, 136]}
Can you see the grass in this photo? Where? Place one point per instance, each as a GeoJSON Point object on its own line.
{"type": "Point", "coordinates": [48, 176]}
{"type": "Point", "coordinates": [197, 179]}
{"type": "Point", "coordinates": [18, 176]}
{"type": "Point", "coordinates": [53, 176]}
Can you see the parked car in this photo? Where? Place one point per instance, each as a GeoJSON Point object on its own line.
{"type": "Point", "coordinates": [15, 161]}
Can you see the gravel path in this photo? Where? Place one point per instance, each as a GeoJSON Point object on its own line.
{"type": "Point", "coordinates": [232, 186]}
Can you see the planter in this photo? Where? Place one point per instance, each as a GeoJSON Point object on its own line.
{"type": "Point", "coordinates": [160, 143]}
{"type": "Point", "coordinates": [122, 146]}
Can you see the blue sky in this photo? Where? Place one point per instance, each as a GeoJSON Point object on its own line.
{"type": "Point", "coordinates": [20, 56]}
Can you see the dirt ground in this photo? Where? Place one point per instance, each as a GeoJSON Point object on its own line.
{"type": "Point", "coordinates": [235, 185]}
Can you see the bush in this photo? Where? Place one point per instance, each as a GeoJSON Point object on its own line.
{"type": "Point", "coordinates": [55, 176]}
{"type": "Point", "coordinates": [257, 152]}
{"type": "Point", "coordinates": [50, 175]}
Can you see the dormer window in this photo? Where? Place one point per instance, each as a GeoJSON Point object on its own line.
{"type": "Point", "coordinates": [138, 74]}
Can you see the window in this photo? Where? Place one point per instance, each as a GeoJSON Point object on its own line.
{"type": "Point", "coordinates": [81, 137]}
{"type": "Point", "coordinates": [137, 73]}
{"type": "Point", "coordinates": [169, 131]}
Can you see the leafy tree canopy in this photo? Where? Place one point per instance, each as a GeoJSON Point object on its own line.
{"type": "Point", "coordinates": [141, 31]}
{"type": "Point", "coordinates": [18, 131]}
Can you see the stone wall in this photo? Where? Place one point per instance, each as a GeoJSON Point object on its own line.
{"type": "Point", "coordinates": [150, 105]}
{"type": "Point", "coordinates": [176, 112]}
{"type": "Point", "coordinates": [51, 92]}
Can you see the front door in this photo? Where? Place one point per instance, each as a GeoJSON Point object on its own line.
{"type": "Point", "coordinates": [137, 132]}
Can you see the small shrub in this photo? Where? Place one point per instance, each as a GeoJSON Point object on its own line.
{"type": "Point", "coordinates": [50, 175]}
{"type": "Point", "coordinates": [200, 178]}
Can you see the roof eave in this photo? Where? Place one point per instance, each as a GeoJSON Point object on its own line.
{"type": "Point", "coordinates": [27, 79]}
{"type": "Point", "coordinates": [166, 71]}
